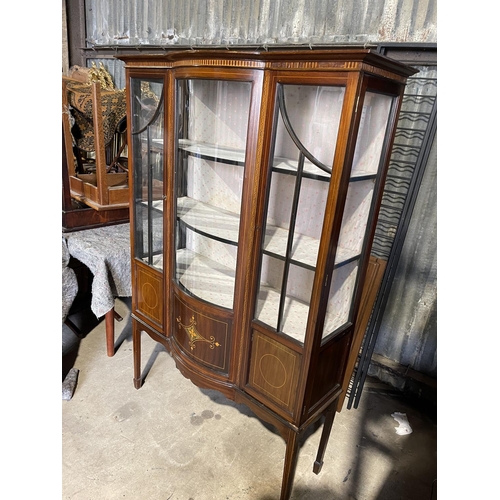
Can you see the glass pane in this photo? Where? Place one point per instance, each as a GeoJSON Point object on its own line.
{"type": "Point", "coordinates": [371, 133]}
{"type": "Point", "coordinates": [354, 220]}
{"type": "Point", "coordinates": [212, 134]}
{"type": "Point", "coordinates": [147, 149]}
{"type": "Point", "coordinates": [285, 310]}
{"type": "Point", "coordinates": [366, 163]}
{"type": "Point", "coordinates": [206, 267]}
{"type": "Point", "coordinates": [341, 292]}
{"type": "Point", "coordinates": [314, 113]}
{"type": "Point", "coordinates": [304, 141]}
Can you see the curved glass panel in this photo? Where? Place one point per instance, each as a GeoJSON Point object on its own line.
{"type": "Point", "coordinates": [147, 129]}
{"type": "Point", "coordinates": [313, 113]}
{"type": "Point", "coordinates": [304, 141]}
{"type": "Point", "coordinates": [211, 139]}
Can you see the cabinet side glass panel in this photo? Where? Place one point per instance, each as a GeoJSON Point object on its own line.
{"type": "Point", "coordinates": [147, 130]}
{"type": "Point", "coordinates": [359, 204]}
{"type": "Point", "coordinates": [212, 118]}
{"type": "Point", "coordinates": [304, 139]}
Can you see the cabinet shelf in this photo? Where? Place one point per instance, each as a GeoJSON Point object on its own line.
{"type": "Point", "coordinates": [156, 205]}
{"type": "Point", "coordinates": [209, 220]}
{"type": "Point", "coordinates": [153, 145]}
{"type": "Point", "coordinates": [223, 226]}
{"type": "Point", "coordinates": [213, 152]}
{"type": "Point", "coordinates": [157, 261]}
{"type": "Point", "coordinates": [205, 278]}
{"type": "Point", "coordinates": [281, 165]}
{"type": "Point", "coordinates": [214, 283]}
{"type": "Point", "coordinates": [304, 251]}
{"type": "Point", "coordinates": [295, 314]}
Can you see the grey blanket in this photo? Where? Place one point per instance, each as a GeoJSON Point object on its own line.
{"type": "Point", "coordinates": [106, 252]}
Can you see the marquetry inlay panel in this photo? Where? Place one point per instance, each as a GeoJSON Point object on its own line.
{"type": "Point", "coordinates": [149, 295]}
{"type": "Point", "coordinates": [200, 336]}
{"type": "Point", "coordinates": [274, 370]}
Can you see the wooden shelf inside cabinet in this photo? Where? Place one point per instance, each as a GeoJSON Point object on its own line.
{"type": "Point", "coordinates": [272, 181]}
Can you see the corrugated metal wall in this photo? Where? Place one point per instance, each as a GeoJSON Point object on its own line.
{"type": "Point", "coordinates": [228, 22]}
{"type": "Point", "coordinates": [408, 332]}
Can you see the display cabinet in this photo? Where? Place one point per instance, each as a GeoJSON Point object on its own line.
{"type": "Point", "coordinates": [256, 182]}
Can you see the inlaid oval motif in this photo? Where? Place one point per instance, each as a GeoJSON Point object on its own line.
{"type": "Point", "coordinates": [273, 371]}
{"type": "Point", "coordinates": [149, 295]}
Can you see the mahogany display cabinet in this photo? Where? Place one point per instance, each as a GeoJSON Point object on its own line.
{"type": "Point", "coordinates": [256, 183]}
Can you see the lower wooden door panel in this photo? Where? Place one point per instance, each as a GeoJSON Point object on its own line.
{"type": "Point", "coordinates": [273, 372]}
{"type": "Point", "coordinates": [201, 335]}
{"type": "Point", "coordinates": [149, 295]}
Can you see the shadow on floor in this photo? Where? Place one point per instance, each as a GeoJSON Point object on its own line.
{"type": "Point", "coordinates": [85, 321]}
{"type": "Point", "coordinates": [409, 459]}
{"type": "Point", "coordinates": [405, 464]}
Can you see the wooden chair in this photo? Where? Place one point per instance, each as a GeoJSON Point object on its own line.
{"type": "Point", "coordinates": [101, 110]}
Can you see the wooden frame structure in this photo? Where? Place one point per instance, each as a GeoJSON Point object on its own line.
{"type": "Point", "coordinates": [103, 190]}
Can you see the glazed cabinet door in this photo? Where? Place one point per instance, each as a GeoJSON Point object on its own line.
{"type": "Point", "coordinates": [303, 143]}
{"type": "Point", "coordinates": [313, 175]}
{"type": "Point", "coordinates": [306, 128]}
{"type": "Point", "coordinates": [147, 134]}
{"type": "Point", "coordinates": [211, 140]}
{"type": "Point", "coordinates": [358, 209]}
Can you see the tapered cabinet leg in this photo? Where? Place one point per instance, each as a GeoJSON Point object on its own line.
{"type": "Point", "coordinates": [109, 319]}
{"type": "Point", "coordinates": [291, 455]}
{"type": "Point", "coordinates": [136, 341]}
{"type": "Point", "coordinates": [325, 435]}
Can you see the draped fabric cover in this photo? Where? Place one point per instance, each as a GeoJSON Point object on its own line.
{"type": "Point", "coordinates": [81, 103]}
{"type": "Point", "coordinates": [106, 252]}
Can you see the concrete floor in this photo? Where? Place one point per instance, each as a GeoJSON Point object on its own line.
{"type": "Point", "coordinates": [170, 440]}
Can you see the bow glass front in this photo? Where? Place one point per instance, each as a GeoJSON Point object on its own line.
{"type": "Point", "coordinates": [210, 168]}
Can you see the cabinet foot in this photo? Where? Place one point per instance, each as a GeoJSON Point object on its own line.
{"type": "Point", "coordinates": [317, 466]}
{"type": "Point", "coordinates": [291, 455]}
{"type": "Point", "coordinates": [325, 435]}
{"type": "Point", "coordinates": [136, 343]}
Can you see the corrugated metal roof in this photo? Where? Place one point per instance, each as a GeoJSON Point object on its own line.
{"type": "Point", "coordinates": [228, 22]}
